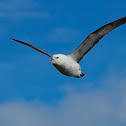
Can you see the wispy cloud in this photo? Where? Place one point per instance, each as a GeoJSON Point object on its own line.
{"type": "Point", "coordinates": [21, 8]}
{"type": "Point", "coordinates": [101, 106]}
{"type": "Point", "coordinates": [63, 35]}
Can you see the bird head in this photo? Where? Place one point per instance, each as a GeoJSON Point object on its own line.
{"type": "Point", "coordinates": [58, 59]}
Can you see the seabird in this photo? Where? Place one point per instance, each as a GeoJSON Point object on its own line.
{"type": "Point", "coordinates": [69, 64]}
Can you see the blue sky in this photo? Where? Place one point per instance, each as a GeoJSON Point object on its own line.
{"type": "Point", "coordinates": [32, 91]}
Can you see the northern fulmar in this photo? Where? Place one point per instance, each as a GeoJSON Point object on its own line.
{"type": "Point", "coordinates": [69, 64]}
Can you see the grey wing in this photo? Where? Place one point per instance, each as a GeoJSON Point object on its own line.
{"type": "Point", "coordinates": [94, 38]}
{"type": "Point", "coordinates": [33, 47]}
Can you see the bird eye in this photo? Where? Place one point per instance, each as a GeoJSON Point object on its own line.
{"type": "Point", "coordinates": [57, 57]}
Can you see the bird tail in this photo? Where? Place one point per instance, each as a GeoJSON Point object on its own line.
{"type": "Point", "coordinates": [82, 75]}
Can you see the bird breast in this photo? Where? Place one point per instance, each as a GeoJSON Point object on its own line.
{"type": "Point", "coordinates": [69, 68]}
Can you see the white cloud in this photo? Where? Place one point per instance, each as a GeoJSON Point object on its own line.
{"type": "Point", "coordinates": [104, 106]}
{"type": "Point", "coordinates": [63, 35]}
{"type": "Point", "coordinates": [21, 8]}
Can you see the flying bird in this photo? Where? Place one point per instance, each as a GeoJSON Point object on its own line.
{"type": "Point", "coordinates": [69, 64]}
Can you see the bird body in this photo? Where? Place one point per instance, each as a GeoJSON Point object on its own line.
{"type": "Point", "coordinates": [66, 65]}
{"type": "Point", "coordinates": [69, 64]}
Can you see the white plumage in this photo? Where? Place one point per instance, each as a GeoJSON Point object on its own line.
{"type": "Point", "coordinates": [66, 65]}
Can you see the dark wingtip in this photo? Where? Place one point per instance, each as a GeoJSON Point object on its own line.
{"type": "Point", "coordinates": [12, 39]}
{"type": "Point", "coordinates": [15, 39]}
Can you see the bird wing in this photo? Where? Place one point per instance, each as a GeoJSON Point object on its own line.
{"type": "Point", "coordinates": [33, 47]}
{"type": "Point", "coordinates": [94, 38]}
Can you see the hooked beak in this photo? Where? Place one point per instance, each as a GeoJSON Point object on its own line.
{"type": "Point", "coordinates": [52, 61]}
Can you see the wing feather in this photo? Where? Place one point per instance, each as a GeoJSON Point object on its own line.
{"type": "Point", "coordinates": [94, 38]}
{"type": "Point", "coordinates": [33, 47]}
